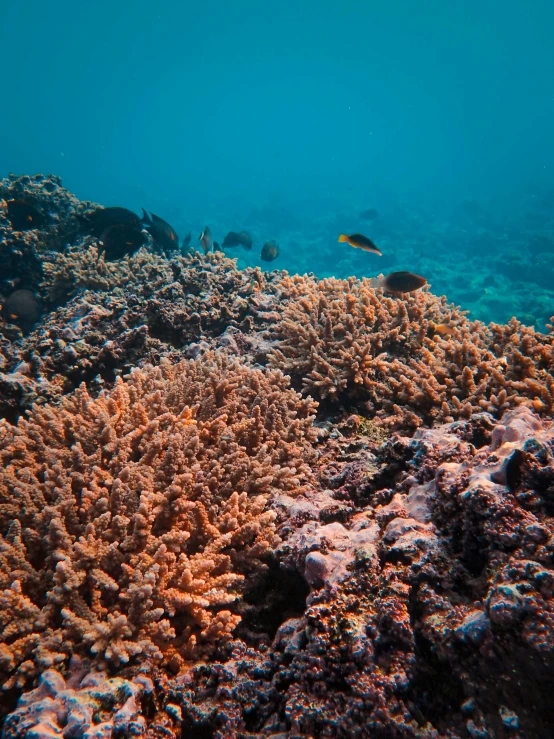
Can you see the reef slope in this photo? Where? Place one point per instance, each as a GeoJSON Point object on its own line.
{"type": "Point", "coordinates": [237, 505]}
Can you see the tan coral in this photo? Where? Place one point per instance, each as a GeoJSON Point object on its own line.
{"type": "Point", "coordinates": [345, 341]}
{"type": "Point", "coordinates": [85, 268]}
{"type": "Point", "coordinates": [81, 267]}
{"type": "Point", "coordinates": [130, 521]}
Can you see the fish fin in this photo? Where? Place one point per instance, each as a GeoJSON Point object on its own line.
{"type": "Point", "coordinates": [342, 237]}
{"type": "Point", "coordinates": [104, 233]}
{"type": "Point", "coordinates": [145, 217]}
{"type": "Point", "coordinates": [376, 282]}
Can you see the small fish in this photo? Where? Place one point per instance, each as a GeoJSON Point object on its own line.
{"type": "Point", "coordinates": [369, 215]}
{"type": "Point", "coordinates": [444, 329]}
{"type": "Point", "coordinates": [205, 239]}
{"type": "Point", "coordinates": [186, 243]}
{"type": "Point", "coordinates": [270, 251]}
{"type": "Point", "coordinates": [97, 222]}
{"type": "Point", "coordinates": [23, 216]}
{"type": "Point", "coordinates": [241, 238]}
{"type": "Point", "coordinates": [358, 241]}
{"type": "Point", "coordinates": [121, 240]}
{"type": "Point", "coordinates": [232, 239]}
{"type": "Point", "coordinates": [217, 247]}
{"type": "Point", "coordinates": [163, 234]}
{"type": "Point", "coordinates": [21, 306]}
{"type": "Point", "coordinates": [398, 282]}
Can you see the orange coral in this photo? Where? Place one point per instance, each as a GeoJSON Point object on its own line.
{"type": "Point", "coordinates": [345, 341]}
{"type": "Point", "coordinates": [129, 521]}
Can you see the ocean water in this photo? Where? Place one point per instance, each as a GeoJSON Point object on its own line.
{"type": "Point", "coordinates": [290, 118]}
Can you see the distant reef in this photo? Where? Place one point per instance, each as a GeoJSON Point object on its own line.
{"type": "Point", "coordinates": [238, 504]}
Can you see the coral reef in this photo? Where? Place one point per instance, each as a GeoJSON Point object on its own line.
{"type": "Point", "coordinates": [338, 339]}
{"type": "Point", "coordinates": [343, 340]}
{"type": "Point", "coordinates": [191, 546]}
{"type": "Point", "coordinates": [430, 612]}
{"type": "Point", "coordinates": [145, 307]}
{"type": "Point", "coordinates": [84, 268]}
{"type": "Point", "coordinates": [129, 522]}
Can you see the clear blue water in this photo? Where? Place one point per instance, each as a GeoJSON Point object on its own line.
{"type": "Point", "coordinates": [290, 117]}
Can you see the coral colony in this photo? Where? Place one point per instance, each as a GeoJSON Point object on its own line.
{"type": "Point", "coordinates": [242, 505]}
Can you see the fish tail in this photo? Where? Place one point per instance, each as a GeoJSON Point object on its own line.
{"type": "Point", "coordinates": [342, 237]}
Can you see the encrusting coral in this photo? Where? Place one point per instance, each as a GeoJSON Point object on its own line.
{"type": "Point", "coordinates": [129, 521]}
{"type": "Point", "coordinates": [343, 340]}
{"type": "Point", "coordinates": [77, 707]}
{"type": "Point", "coordinates": [22, 252]}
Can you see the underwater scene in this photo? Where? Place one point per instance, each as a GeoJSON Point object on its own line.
{"type": "Point", "coordinates": [277, 370]}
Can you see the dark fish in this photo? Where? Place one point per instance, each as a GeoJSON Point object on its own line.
{"type": "Point", "coordinates": [359, 241]}
{"type": "Point", "coordinates": [21, 306]}
{"type": "Point", "coordinates": [399, 282]}
{"type": "Point", "coordinates": [121, 240]}
{"type": "Point", "coordinates": [217, 246]}
{"type": "Point", "coordinates": [24, 217]}
{"type": "Point", "coordinates": [205, 239]}
{"type": "Point", "coordinates": [232, 239]}
{"type": "Point", "coordinates": [270, 251]}
{"type": "Point", "coordinates": [97, 222]}
{"type": "Point", "coordinates": [163, 234]}
{"type": "Point", "coordinates": [186, 242]}
{"type": "Point", "coordinates": [369, 215]}
{"type": "Point", "coordinates": [241, 238]}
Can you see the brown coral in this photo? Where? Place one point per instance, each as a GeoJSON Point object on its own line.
{"type": "Point", "coordinates": [129, 522]}
{"type": "Point", "coordinates": [345, 341]}
{"type": "Point", "coordinates": [22, 252]}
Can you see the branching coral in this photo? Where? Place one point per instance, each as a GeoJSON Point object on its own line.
{"type": "Point", "coordinates": [148, 307]}
{"type": "Point", "coordinates": [343, 340]}
{"type": "Point", "coordinates": [129, 521]}
{"type": "Point", "coordinates": [84, 267]}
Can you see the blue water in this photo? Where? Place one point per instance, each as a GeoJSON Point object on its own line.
{"type": "Point", "coordinates": [290, 117]}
